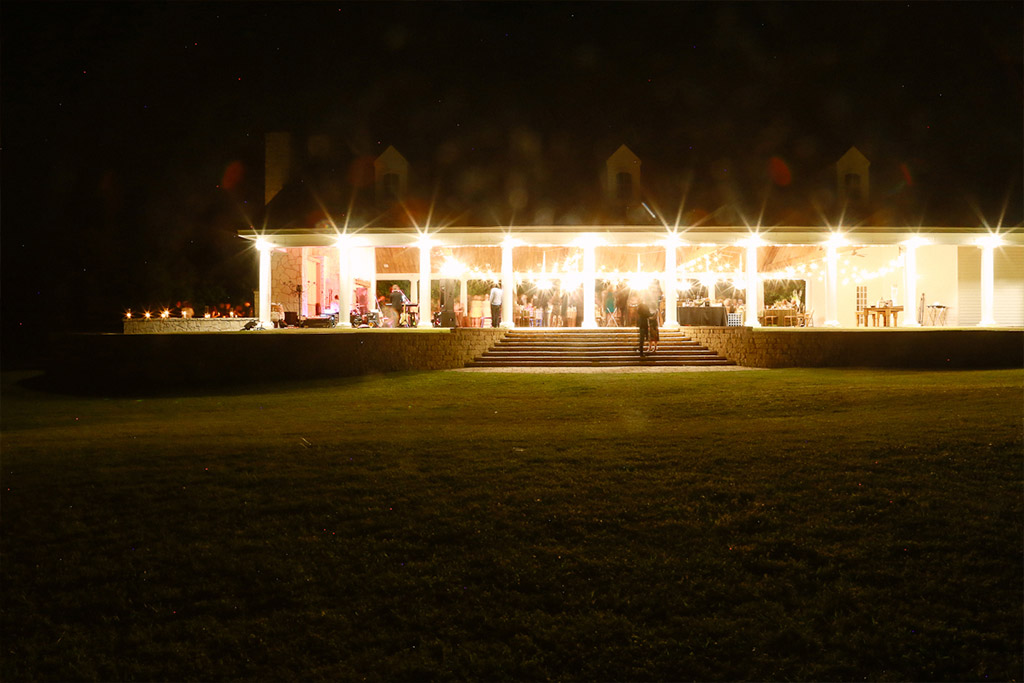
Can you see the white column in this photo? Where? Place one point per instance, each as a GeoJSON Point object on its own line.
{"type": "Point", "coordinates": [414, 290]}
{"type": "Point", "coordinates": [711, 288]}
{"type": "Point", "coordinates": [832, 286]}
{"type": "Point", "coordinates": [809, 291]}
{"type": "Point", "coordinates": [753, 285]}
{"type": "Point", "coordinates": [263, 310]}
{"type": "Point", "coordinates": [303, 283]}
{"type": "Point", "coordinates": [669, 286]}
{"type": "Point", "coordinates": [464, 296]}
{"type": "Point", "coordinates": [508, 286]}
{"type": "Point", "coordinates": [988, 280]}
{"type": "Point", "coordinates": [589, 261]}
{"type": "Point", "coordinates": [371, 294]}
{"type": "Point", "coordinates": [424, 300]}
{"type": "Point", "coordinates": [910, 286]}
{"type": "Point", "coordinates": [344, 283]}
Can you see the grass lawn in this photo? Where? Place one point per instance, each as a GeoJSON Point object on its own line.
{"type": "Point", "coordinates": [761, 525]}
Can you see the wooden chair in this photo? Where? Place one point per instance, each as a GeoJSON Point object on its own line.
{"type": "Point", "coordinates": [862, 318]}
{"type": "Point", "coordinates": [770, 319]}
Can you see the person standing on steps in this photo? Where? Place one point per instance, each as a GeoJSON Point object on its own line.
{"type": "Point", "coordinates": [643, 314]}
{"type": "Point", "coordinates": [652, 333]}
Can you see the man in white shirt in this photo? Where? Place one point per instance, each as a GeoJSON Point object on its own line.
{"type": "Point", "coordinates": [496, 294]}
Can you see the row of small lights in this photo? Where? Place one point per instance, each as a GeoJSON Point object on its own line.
{"type": "Point", "coordinates": [636, 280]}
{"type": "Point", "coordinates": [454, 268]}
{"type": "Point", "coordinates": [166, 313]}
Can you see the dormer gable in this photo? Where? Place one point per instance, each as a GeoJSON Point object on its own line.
{"type": "Point", "coordinates": [391, 176]}
{"type": "Point", "coordinates": [852, 177]}
{"type": "Point", "coordinates": [622, 180]}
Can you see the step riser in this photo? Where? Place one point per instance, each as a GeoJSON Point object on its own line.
{"type": "Point", "coordinates": [636, 363]}
{"type": "Point", "coordinates": [589, 348]}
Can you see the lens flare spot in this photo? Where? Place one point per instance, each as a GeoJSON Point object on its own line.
{"type": "Point", "coordinates": [779, 172]}
{"type": "Point", "coordinates": [908, 178]}
{"type": "Point", "coordinates": [360, 172]}
{"type": "Point", "coordinates": [233, 175]}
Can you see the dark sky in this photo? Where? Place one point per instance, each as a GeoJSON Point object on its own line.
{"type": "Point", "coordinates": [119, 119]}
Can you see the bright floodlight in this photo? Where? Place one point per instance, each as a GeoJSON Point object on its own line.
{"type": "Point", "coordinates": [837, 240]}
{"type": "Point", "coordinates": [991, 241]}
{"type": "Point", "coordinates": [753, 240]}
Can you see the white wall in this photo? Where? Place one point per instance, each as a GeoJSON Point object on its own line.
{"type": "Point", "coordinates": [936, 278]}
{"type": "Point", "coordinates": [364, 263]}
{"type": "Point", "coordinates": [1008, 306]}
{"type": "Point", "coordinates": [873, 260]}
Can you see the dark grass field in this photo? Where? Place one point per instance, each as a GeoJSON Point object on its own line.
{"type": "Point", "coordinates": [761, 525]}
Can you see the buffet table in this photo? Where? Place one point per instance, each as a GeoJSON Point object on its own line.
{"type": "Point", "coordinates": [702, 315]}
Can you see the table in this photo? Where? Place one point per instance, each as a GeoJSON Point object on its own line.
{"type": "Point", "coordinates": [872, 313]}
{"type": "Point", "coordinates": [780, 315]}
{"type": "Point", "coordinates": [702, 315]}
{"type": "Point", "coordinates": [936, 315]}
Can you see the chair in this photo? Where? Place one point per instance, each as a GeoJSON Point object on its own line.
{"type": "Point", "coordinates": [807, 319]}
{"type": "Point", "coordinates": [862, 318]}
{"type": "Point", "coordinates": [770, 319]}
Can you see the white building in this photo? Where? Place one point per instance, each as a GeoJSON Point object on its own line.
{"type": "Point", "coordinates": [337, 233]}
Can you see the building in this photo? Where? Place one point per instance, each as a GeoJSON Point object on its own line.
{"type": "Point", "coordinates": [336, 225]}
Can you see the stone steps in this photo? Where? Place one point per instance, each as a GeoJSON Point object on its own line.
{"type": "Point", "coordinates": [574, 347]}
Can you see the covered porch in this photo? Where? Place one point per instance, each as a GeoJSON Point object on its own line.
{"type": "Point", "coordinates": [785, 276]}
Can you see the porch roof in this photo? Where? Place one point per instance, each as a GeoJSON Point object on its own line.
{"type": "Point", "coordinates": [625, 235]}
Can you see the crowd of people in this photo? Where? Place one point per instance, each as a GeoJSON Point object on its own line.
{"type": "Point", "coordinates": [616, 306]}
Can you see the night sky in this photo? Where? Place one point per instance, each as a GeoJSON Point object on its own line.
{"type": "Point", "coordinates": [120, 120]}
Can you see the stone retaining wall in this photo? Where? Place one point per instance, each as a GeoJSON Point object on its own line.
{"type": "Point", "coordinates": [191, 359]}
{"type": "Point", "coordinates": [170, 325]}
{"type": "Point", "coordinates": [895, 348]}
